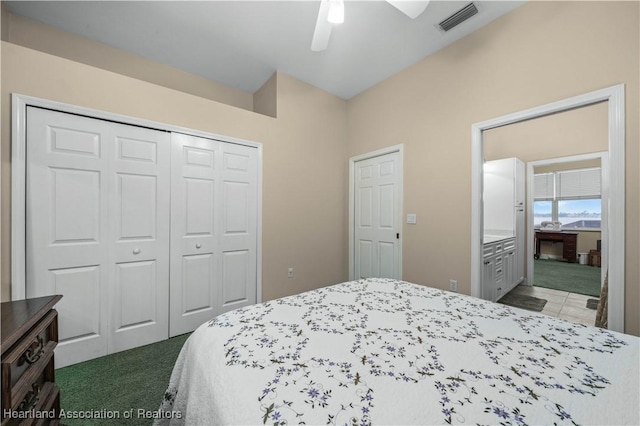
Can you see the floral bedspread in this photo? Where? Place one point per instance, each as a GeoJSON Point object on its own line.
{"type": "Point", "coordinates": [382, 351]}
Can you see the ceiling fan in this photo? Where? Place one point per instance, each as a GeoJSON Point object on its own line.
{"type": "Point", "coordinates": [332, 12]}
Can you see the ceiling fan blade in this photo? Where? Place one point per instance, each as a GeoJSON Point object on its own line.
{"type": "Point", "coordinates": [323, 28]}
{"type": "Point", "coordinates": [411, 8]}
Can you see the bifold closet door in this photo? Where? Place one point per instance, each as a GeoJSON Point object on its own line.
{"type": "Point", "coordinates": [98, 230]}
{"type": "Point", "coordinates": [213, 229]}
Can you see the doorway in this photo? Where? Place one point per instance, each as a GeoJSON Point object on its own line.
{"type": "Point", "coordinates": [375, 210]}
{"type": "Point", "coordinates": [613, 253]}
{"type": "Point", "coordinates": [584, 212]}
{"type": "Point", "coordinates": [566, 220]}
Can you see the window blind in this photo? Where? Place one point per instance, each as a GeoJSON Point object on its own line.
{"type": "Point", "coordinates": [576, 184]}
{"type": "Point", "coordinates": [543, 185]}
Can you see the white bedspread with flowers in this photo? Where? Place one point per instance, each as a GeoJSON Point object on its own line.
{"type": "Point", "coordinates": [381, 351]}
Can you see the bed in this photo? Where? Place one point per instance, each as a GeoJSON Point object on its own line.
{"type": "Point", "coordinates": [382, 351]}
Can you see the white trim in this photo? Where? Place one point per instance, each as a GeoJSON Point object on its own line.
{"type": "Point", "coordinates": [615, 180]}
{"type": "Point", "coordinates": [352, 161]}
{"type": "Point", "coordinates": [604, 194]}
{"type": "Point", "coordinates": [18, 176]}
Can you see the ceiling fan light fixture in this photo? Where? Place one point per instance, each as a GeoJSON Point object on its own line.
{"type": "Point", "coordinates": [336, 11]}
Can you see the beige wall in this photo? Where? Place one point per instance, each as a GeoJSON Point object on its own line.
{"type": "Point", "coordinates": [579, 131]}
{"type": "Point", "coordinates": [265, 100]}
{"type": "Point", "coordinates": [35, 35]}
{"type": "Point", "coordinates": [539, 53]}
{"type": "Point", "coordinates": [304, 153]}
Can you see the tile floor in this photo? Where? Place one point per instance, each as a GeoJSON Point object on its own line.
{"type": "Point", "coordinates": [568, 306]}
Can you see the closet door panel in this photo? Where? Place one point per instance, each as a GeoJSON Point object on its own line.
{"type": "Point", "coordinates": [235, 278]}
{"type": "Point", "coordinates": [137, 198]}
{"type": "Point", "coordinates": [195, 253]}
{"type": "Point", "coordinates": [199, 207]}
{"type": "Point", "coordinates": [67, 227]}
{"type": "Point", "coordinates": [135, 292]}
{"type": "Point", "coordinates": [197, 269]}
{"type": "Point", "coordinates": [139, 249]}
{"type": "Point", "coordinates": [81, 287]}
{"type": "Point", "coordinates": [239, 227]}
{"type": "Point", "coordinates": [98, 230]}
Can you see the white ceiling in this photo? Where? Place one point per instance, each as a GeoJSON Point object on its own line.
{"type": "Point", "coordinates": [242, 43]}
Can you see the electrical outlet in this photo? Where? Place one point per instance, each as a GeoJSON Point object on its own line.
{"type": "Point", "coordinates": [290, 273]}
{"type": "Point", "coordinates": [453, 285]}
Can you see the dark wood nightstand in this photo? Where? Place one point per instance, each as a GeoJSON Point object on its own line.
{"type": "Point", "coordinates": [29, 336]}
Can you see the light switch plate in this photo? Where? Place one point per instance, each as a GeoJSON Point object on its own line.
{"type": "Point", "coordinates": [411, 218]}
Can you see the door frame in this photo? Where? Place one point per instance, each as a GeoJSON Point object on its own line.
{"type": "Point", "coordinates": [604, 201]}
{"type": "Point", "coordinates": [352, 199]}
{"type": "Point", "coordinates": [615, 97]}
{"type": "Point", "coordinates": [19, 104]}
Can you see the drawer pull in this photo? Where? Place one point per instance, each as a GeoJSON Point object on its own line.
{"type": "Point", "coordinates": [32, 357]}
{"type": "Point", "coordinates": [31, 399]}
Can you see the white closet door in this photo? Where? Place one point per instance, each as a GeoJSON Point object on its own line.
{"type": "Point", "coordinates": [97, 230]}
{"type": "Point", "coordinates": [67, 227]}
{"type": "Point", "coordinates": [195, 253]}
{"type": "Point", "coordinates": [213, 230]}
{"type": "Point", "coordinates": [139, 208]}
{"type": "Point", "coordinates": [377, 217]}
{"type": "Point", "coordinates": [238, 231]}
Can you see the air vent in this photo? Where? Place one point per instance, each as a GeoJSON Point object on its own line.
{"type": "Point", "coordinates": [459, 17]}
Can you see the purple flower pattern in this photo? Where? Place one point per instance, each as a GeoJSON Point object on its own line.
{"type": "Point", "coordinates": [407, 352]}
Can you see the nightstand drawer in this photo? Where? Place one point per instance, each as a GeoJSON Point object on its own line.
{"type": "Point", "coordinates": [42, 400]}
{"type": "Point", "coordinates": [29, 338]}
{"type": "Point", "coordinates": [26, 362]}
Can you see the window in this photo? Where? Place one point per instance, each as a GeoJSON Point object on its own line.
{"type": "Point", "coordinates": [542, 211]}
{"type": "Point", "coordinates": [571, 197]}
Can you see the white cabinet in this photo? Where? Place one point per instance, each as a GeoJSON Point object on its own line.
{"type": "Point", "coordinates": [503, 201]}
{"type": "Point", "coordinates": [520, 251]}
{"type": "Point", "coordinates": [503, 194]}
{"type": "Point", "coordinates": [489, 273]}
{"type": "Point", "coordinates": [499, 271]}
{"type": "Point", "coordinates": [509, 261]}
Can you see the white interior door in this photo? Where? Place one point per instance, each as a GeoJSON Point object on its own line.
{"type": "Point", "coordinates": [195, 259]}
{"type": "Point", "coordinates": [66, 227]}
{"type": "Point", "coordinates": [139, 236]}
{"type": "Point", "coordinates": [377, 221]}
{"type": "Point", "coordinates": [97, 230]}
{"type": "Point", "coordinates": [238, 231]}
{"type": "Point", "coordinates": [213, 230]}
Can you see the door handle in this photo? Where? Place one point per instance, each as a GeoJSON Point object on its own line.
{"type": "Point", "coordinates": [136, 251]}
{"type": "Point", "coordinates": [198, 245]}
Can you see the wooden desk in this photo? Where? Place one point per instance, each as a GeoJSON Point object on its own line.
{"type": "Point", "coordinates": [569, 242]}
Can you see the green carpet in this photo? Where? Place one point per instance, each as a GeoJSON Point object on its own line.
{"type": "Point", "coordinates": [118, 383]}
{"type": "Point", "coordinates": [564, 276]}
